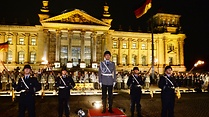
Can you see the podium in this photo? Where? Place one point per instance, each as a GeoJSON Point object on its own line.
{"type": "Point", "coordinates": [98, 113]}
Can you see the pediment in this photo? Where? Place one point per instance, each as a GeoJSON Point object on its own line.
{"type": "Point", "coordinates": [75, 17]}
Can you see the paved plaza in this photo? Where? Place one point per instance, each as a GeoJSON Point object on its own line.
{"type": "Point", "coordinates": [189, 105]}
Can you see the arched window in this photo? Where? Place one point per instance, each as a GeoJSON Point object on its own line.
{"type": "Point", "coordinates": [114, 58]}
{"type": "Point", "coordinates": [9, 57]}
{"type": "Point", "coordinates": [21, 56]}
{"type": "Point", "coordinates": [124, 59]}
{"type": "Point", "coordinates": [133, 59]}
{"type": "Point", "coordinates": [144, 60]}
{"type": "Point", "coordinates": [32, 57]}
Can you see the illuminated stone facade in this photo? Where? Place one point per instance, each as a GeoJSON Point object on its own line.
{"type": "Point", "coordinates": [75, 38]}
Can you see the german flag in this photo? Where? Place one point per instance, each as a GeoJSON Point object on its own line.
{"type": "Point", "coordinates": [143, 9]}
{"type": "Point", "coordinates": [4, 47]}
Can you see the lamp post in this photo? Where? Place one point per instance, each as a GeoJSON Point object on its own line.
{"type": "Point", "coordinates": [199, 62]}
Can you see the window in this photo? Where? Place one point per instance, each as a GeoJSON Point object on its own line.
{"type": "Point", "coordinates": [9, 59]}
{"type": "Point", "coordinates": [114, 58]}
{"type": "Point", "coordinates": [143, 46]}
{"type": "Point", "coordinates": [170, 47]}
{"type": "Point", "coordinates": [64, 36]}
{"type": "Point", "coordinates": [124, 60]}
{"type": "Point", "coordinates": [32, 57]}
{"type": "Point", "coordinates": [21, 41]}
{"type": "Point", "coordinates": [64, 55]}
{"type": "Point", "coordinates": [144, 60]}
{"type": "Point", "coordinates": [114, 44]}
{"type": "Point", "coordinates": [124, 45]}
{"type": "Point", "coordinates": [33, 41]}
{"type": "Point", "coordinates": [9, 40]}
{"type": "Point", "coordinates": [87, 52]}
{"type": "Point", "coordinates": [134, 45]}
{"type": "Point", "coordinates": [133, 60]}
{"type": "Point", "coordinates": [170, 60]}
{"type": "Point", "coordinates": [21, 57]}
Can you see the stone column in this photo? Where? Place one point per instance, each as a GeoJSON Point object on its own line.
{"type": "Point", "coordinates": [108, 42]}
{"type": "Point", "coordinates": [14, 53]}
{"type": "Point", "coordinates": [70, 34]}
{"type": "Point", "coordinates": [82, 46]}
{"type": "Point", "coordinates": [93, 47]}
{"type": "Point", "coordinates": [149, 52]}
{"type": "Point", "coordinates": [120, 51]}
{"type": "Point", "coordinates": [139, 53]}
{"type": "Point", "coordinates": [57, 58]}
{"type": "Point", "coordinates": [181, 44]}
{"type": "Point", "coordinates": [27, 52]}
{"type": "Point", "coordinates": [161, 52]}
{"type": "Point", "coordinates": [164, 52]}
{"type": "Point", "coordinates": [129, 52]}
{"type": "Point", "coordinates": [2, 40]}
{"type": "Point", "coordinates": [177, 52]}
{"type": "Point", "coordinates": [46, 42]}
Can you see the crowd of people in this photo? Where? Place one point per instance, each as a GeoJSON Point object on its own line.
{"type": "Point", "coordinates": [47, 79]}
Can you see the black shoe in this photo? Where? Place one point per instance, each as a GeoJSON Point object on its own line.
{"type": "Point", "coordinates": [110, 111]}
{"type": "Point", "coordinates": [103, 111]}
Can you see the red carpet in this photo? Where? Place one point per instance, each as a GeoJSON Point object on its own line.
{"type": "Point", "coordinates": [98, 113]}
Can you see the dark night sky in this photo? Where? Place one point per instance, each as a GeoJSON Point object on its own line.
{"type": "Point", "coordinates": [193, 18]}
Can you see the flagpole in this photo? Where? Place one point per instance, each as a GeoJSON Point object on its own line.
{"type": "Point", "coordinates": [153, 70]}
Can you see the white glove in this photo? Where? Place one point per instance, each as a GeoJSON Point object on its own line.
{"type": "Point", "coordinates": [100, 84]}
{"type": "Point", "coordinates": [114, 84]}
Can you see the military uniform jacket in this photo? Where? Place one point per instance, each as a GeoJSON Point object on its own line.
{"type": "Point", "coordinates": [32, 85]}
{"type": "Point", "coordinates": [107, 73]}
{"type": "Point", "coordinates": [64, 87]}
{"type": "Point", "coordinates": [166, 85]}
{"type": "Point", "coordinates": [135, 86]}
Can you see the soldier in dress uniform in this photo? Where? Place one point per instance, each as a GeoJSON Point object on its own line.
{"type": "Point", "coordinates": [4, 80]}
{"type": "Point", "coordinates": [27, 86]}
{"type": "Point", "coordinates": [64, 83]}
{"type": "Point", "coordinates": [167, 84]}
{"type": "Point", "coordinates": [51, 81]}
{"type": "Point", "coordinates": [107, 80]}
{"type": "Point", "coordinates": [43, 81]}
{"type": "Point", "coordinates": [135, 82]}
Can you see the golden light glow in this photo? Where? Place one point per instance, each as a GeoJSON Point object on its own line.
{"type": "Point", "coordinates": [198, 63]}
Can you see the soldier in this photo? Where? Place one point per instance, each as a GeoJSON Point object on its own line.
{"type": "Point", "coordinates": [11, 78]}
{"type": "Point", "coordinates": [4, 80]}
{"type": "Point", "coordinates": [167, 84]}
{"type": "Point", "coordinates": [64, 83]}
{"type": "Point", "coordinates": [27, 85]}
{"type": "Point", "coordinates": [119, 81]}
{"type": "Point", "coordinates": [43, 81]}
{"type": "Point", "coordinates": [51, 81]}
{"type": "Point", "coordinates": [135, 83]}
{"type": "Point", "coordinates": [107, 80]}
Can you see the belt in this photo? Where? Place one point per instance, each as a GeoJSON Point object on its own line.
{"type": "Point", "coordinates": [138, 85]}
{"type": "Point", "coordinates": [61, 87]}
{"type": "Point", "coordinates": [107, 74]}
{"type": "Point", "coordinates": [22, 91]}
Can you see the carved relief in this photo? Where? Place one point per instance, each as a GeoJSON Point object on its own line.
{"type": "Point", "coordinates": [76, 18]}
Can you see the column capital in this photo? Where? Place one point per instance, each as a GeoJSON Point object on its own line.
{"type": "Point", "coordinates": [70, 32]}
{"type": "Point", "coordinates": [58, 31]}
{"type": "Point", "coordinates": [15, 33]}
{"type": "Point", "coordinates": [130, 39]}
{"type": "Point", "coordinates": [46, 30]}
{"type": "Point", "coordinates": [93, 34]}
{"type": "Point", "coordinates": [82, 33]}
{"type": "Point", "coordinates": [2, 33]}
{"type": "Point", "coordinates": [27, 34]}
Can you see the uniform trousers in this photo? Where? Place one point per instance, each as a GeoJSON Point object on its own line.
{"type": "Point", "coordinates": [105, 89]}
